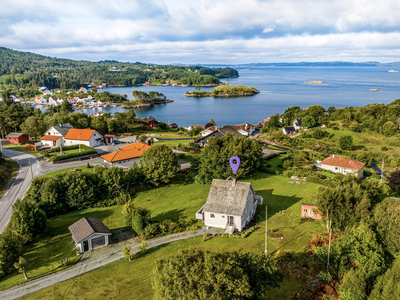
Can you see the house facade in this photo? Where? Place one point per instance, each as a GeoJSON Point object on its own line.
{"type": "Point", "coordinates": [89, 234]}
{"type": "Point", "coordinates": [87, 137]}
{"type": "Point", "coordinates": [297, 124]}
{"type": "Point", "coordinates": [342, 165]}
{"type": "Point", "coordinates": [217, 134]}
{"type": "Point", "coordinates": [230, 205]}
{"type": "Point", "coordinates": [52, 135]}
{"type": "Point", "coordinates": [309, 210]}
{"type": "Point", "coordinates": [288, 130]}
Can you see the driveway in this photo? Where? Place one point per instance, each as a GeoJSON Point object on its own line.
{"type": "Point", "coordinates": [19, 185]}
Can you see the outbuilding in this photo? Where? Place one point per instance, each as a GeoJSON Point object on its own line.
{"type": "Point", "coordinates": [309, 210]}
{"type": "Point", "coordinates": [89, 234]}
{"type": "Point", "coordinates": [17, 138]}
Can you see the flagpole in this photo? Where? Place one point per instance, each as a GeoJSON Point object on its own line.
{"type": "Point", "coordinates": [266, 230]}
{"type": "Point", "coordinates": [383, 164]}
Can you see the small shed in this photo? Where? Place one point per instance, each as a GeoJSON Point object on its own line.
{"type": "Point", "coordinates": [288, 130]}
{"type": "Point", "coordinates": [17, 138]}
{"type": "Point", "coordinates": [309, 210]}
{"type": "Point", "coordinates": [89, 234]}
{"type": "Point", "coordinates": [173, 125]}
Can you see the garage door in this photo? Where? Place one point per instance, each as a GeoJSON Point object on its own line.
{"type": "Point", "coordinates": [98, 242]}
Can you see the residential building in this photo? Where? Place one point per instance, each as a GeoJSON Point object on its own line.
{"type": "Point", "coordinates": [151, 121]}
{"type": "Point", "coordinates": [40, 100]}
{"type": "Point", "coordinates": [17, 138]}
{"type": "Point", "coordinates": [342, 165]}
{"type": "Point", "coordinates": [88, 137]}
{"type": "Point", "coordinates": [83, 90]}
{"type": "Point", "coordinates": [244, 129]}
{"type": "Point", "coordinates": [53, 100]}
{"type": "Point", "coordinates": [128, 155]}
{"type": "Point", "coordinates": [89, 234]}
{"type": "Point", "coordinates": [217, 134]}
{"type": "Point", "coordinates": [47, 93]}
{"type": "Point", "coordinates": [288, 130]}
{"type": "Point", "coordinates": [297, 124]}
{"type": "Point", "coordinates": [173, 125]}
{"type": "Point", "coordinates": [230, 205]}
{"type": "Point", "coordinates": [309, 210]}
{"type": "Point", "coordinates": [51, 140]}
{"type": "Point", "coordinates": [209, 130]}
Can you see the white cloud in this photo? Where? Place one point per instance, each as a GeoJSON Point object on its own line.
{"type": "Point", "coordinates": [204, 30]}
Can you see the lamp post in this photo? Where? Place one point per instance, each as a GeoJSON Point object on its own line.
{"type": "Point", "coordinates": [266, 230]}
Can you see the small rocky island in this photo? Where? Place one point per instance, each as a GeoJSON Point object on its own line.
{"type": "Point", "coordinates": [313, 82]}
{"type": "Point", "coordinates": [225, 91]}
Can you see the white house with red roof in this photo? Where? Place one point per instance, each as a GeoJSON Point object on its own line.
{"type": "Point", "coordinates": [83, 90]}
{"type": "Point", "coordinates": [88, 137]}
{"type": "Point", "coordinates": [47, 93]}
{"type": "Point", "coordinates": [342, 165]}
{"type": "Point", "coordinates": [209, 130]}
{"type": "Point", "coordinates": [40, 100]}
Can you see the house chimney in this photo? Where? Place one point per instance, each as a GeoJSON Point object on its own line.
{"type": "Point", "coordinates": [333, 155]}
{"type": "Point", "coordinates": [60, 125]}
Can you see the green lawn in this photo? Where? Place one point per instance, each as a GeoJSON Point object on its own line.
{"type": "Point", "coordinates": [21, 148]}
{"type": "Point", "coordinates": [168, 202]}
{"type": "Point", "coordinates": [8, 168]}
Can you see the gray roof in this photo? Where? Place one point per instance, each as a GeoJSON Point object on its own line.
{"type": "Point", "coordinates": [63, 129]}
{"type": "Point", "coordinates": [85, 227]}
{"type": "Point", "coordinates": [289, 129]}
{"type": "Point", "coordinates": [227, 198]}
{"type": "Point", "coordinates": [218, 134]}
{"type": "Point", "coordinates": [14, 135]}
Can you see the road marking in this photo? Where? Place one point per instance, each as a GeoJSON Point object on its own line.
{"type": "Point", "coordinates": [5, 194]}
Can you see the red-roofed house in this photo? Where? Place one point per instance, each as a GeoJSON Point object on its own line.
{"type": "Point", "coordinates": [16, 138]}
{"type": "Point", "coordinates": [338, 164]}
{"type": "Point", "coordinates": [88, 137]}
{"type": "Point", "coordinates": [127, 156]}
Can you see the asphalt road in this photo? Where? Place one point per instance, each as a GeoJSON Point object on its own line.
{"type": "Point", "coordinates": [20, 184]}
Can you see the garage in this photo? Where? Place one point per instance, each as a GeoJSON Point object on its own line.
{"type": "Point", "coordinates": [98, 242]}
{"type": "Point", "coordinates": [89, 234]}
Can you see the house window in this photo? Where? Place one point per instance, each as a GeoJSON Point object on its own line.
{"type": "Point", "coordinates": [223, 217]}
{"type": "Point", "coordinates": [212, 216]}
{"type": "Point", "coordinates": [336, 168]}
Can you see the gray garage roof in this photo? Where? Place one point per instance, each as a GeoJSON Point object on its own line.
{"type": "Point", "coordinates": [226, 197]}
{"type": "Point", "coordinates": [85, 227]}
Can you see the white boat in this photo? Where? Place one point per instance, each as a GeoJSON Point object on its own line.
{"type": "Point", "coordinates": [393, 71]}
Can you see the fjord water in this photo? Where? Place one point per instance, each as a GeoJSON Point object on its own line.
{"type": "Point", "coordinates": [280, 88]}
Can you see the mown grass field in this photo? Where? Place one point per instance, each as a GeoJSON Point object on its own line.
{"type": "Point", "coordinates": [122, 280]}
{"type": "Point", "coordinates": [21, 148]}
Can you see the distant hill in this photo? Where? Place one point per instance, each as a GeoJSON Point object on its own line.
{"type": "Point", "coordinates": [20, 69]}
{"type": "Point", "coordinates": [310, 64]}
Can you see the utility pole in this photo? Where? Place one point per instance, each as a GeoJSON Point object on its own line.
{"type": "Point", "coordinates": [266, 230]}
{"type": "Point", "coordinates": [30, 165]}
{"type": "Point", "coordinates": [79, 142]}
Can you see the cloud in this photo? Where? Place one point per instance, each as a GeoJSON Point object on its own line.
{"type": "Point", "coordinates": [203, 30]}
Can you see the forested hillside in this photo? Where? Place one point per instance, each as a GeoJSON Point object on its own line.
{"type": "Point", "coordinates": [24, 69]}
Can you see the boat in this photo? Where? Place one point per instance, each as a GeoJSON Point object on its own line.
{"type": "Point", "coordinates": [393, 71]}
{"type": "Point", "coordinates": [374, 90]}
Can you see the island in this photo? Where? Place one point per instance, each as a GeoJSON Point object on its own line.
{"type": "Point", "coordinates": [225, 91]}
{"type": "Point", "coordinates": [313, 82]}
{"type": "Point", "coordinates": [143, 99]}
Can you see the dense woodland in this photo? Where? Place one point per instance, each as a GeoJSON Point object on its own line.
{"type": "Point", "coordinates": [23, 69]}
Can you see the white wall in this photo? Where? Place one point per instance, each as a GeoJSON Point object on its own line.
{"type": "Point", "coordinates": [90, 143]}
{"type": "Point", "coordinates": [341, 170]}
{"type": "Point", "coordinates": [124, 164]}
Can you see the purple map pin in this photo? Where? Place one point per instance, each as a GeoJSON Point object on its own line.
{"type": "Point", "coordinates": [234, 166]}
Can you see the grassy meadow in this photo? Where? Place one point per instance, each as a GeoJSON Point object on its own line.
{"type": "Point", "coordinates": [175, 200]}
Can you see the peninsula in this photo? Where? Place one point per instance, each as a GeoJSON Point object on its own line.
{"type": "Point", "coordinates": [225, 91]}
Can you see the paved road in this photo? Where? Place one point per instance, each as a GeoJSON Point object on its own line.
{"type": "Point", "coordinates": [20, 184]}
{"type": "Point", "coordinates": [91, 261]}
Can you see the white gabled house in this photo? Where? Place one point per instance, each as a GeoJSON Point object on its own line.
{"type": "Point", "coordinates": [41, 100]}
{"type": "Point", "coordinates": [288, 130]}
{"type": "Point", "coordinates": [47, 93]}
{"type": "Point", "coordinates": [209, 130]}
{"type": "Point", "coordinates": [297, 124]}
{"type": "Point", "coordinates": [53, 100]}
{"type": "Point", "coordinates": [54, 136]}
{"type": "Point", "coordinates": [230, 205]}
{"type": "Point", "coordinates": [87, 137]}
{"type": "Point", "coordinates": [342, 165]}
{"type": "Point", "coordinates": [83, 90]}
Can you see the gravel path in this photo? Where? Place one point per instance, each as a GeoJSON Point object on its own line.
{"type": "Point", "coordinates": [91, 261]}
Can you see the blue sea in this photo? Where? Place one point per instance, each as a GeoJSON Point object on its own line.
{"type": "Point", "coordinates": [280, 88]}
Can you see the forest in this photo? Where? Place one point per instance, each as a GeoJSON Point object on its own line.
{"type": "Point", "coordinates": [24, 69]}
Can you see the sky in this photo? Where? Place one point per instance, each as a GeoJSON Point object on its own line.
{"type": "Point", "coordinates": [204, 31]}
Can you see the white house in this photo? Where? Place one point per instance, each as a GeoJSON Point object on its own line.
{"type": "Point", "coordinates": [297, 124]}
{"type": "Point", "coordinates": [338, 164]}
{"type": "Point", "coordinates": [127, 156]}
{"type": "Point", "coordinates": [42, 88]}
{"type": "Point", "coordinates": [89, 234]}
{"type": "Point", "coordinates": [288, 130]}
{"type": "Point", "coordinates": [83, 90]}
{"type": "Point", "coordinates": [230, 205]}
{"type": "Point", "coordinates": [55, 135]}
{"type": "Point", "coordinates": [47, 93]}
{"type": "Point", "coordinates": [53, 100]}
{"type": "Point", "coordinates": [40, 100]}
{"type": "Point", "coordinates": [209, 130]}
{"type": "Point", "coordinates": [87, 137]}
